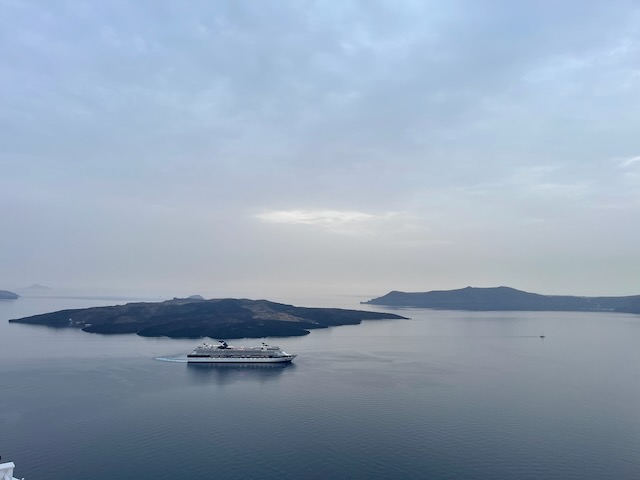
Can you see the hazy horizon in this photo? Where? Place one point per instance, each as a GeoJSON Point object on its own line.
{"type": "Point", "coordinates": [260, 149]}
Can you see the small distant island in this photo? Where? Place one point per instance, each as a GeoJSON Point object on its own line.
{"type": "Point", "coordinates": [36, 287]}
{"type": "Point", "coordinates": [6, 295]}
{"type": "Point", "coordinates": [195, 318]}
{"type": "Point", "coordinates": [506, 298]}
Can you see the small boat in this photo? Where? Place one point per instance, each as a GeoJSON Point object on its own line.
{"type": "Point", "coordinates": [542, 335]}
{"type": "Point", "coordinates": [224, 353]}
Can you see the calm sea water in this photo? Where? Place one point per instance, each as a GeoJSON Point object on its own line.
{"type": "Point", "coordinates": [444, 395]}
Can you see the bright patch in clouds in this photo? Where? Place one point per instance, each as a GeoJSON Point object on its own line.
{"type": "Point", "coordinates": [314, 217]}
{"type": "Point", "coordinates": [347, 222]}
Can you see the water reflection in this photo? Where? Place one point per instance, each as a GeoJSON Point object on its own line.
{"type": "Point", "coordinates": [229, 373]}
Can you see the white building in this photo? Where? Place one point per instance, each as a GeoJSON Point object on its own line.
{"type": "Point", "coordinates": [6, 471]}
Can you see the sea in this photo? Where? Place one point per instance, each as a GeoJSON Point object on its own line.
{"type": "Point", "coordinates": [441, 395]}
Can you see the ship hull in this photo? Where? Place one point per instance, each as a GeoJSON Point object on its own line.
{"type": "Point", "coordinates": [240, 359]}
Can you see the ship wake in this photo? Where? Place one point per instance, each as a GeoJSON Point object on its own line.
{"type": "Point", "coordinates": [173, 358]}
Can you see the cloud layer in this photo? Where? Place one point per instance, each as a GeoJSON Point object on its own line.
{"type": "Point", "coordinates": [360, 145]}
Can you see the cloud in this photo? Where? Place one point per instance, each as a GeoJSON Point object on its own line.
{"type": "Point", "coordinates": [426, 123]}
{"type": "Point", "coordinates": [324, 218]}
{"type": "Point", "coordinates": [311, 217]}
{"type": "Point", "coordinates": [631, 167]}
{"type": "Point", "coordinates": [628, 162]}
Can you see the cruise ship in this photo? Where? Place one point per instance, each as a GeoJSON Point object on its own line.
{"type": "Point", "coordinates": [223, 353]}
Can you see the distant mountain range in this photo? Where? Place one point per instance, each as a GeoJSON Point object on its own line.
{"type": "Point", "coordinates": [506, 298]}
{"type": "Point", "coordinates": [6, 295]}
{"type": "Point", "coordinates": [195, 318]}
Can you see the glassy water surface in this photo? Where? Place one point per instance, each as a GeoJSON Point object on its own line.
{"type": "Point", "coordinates": [456, 395]}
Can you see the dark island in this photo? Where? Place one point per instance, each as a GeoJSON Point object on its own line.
{"type": "Point", "coordinates": [195, 318]}
{"type": "Point", "coordinates": [6, 295]}
{"type": "Point", "coordinates": [506, 298]}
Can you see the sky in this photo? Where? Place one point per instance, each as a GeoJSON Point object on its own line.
{"type": "Point", "coordinates": [253, 148]}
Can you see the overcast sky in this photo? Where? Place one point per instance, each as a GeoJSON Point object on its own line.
{"type": "Point", "coordinates": [252, 148]}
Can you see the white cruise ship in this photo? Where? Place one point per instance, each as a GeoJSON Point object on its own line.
{"type": "Point", "coordinates": [223, 353]}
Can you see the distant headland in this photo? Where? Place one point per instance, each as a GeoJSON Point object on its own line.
{"type": "Point", "coordinates": [506, 298]}
{"type": "Point", "coordinates": [35, 289]}
{"type": "Point", "coordinates": [6, 295]}
{"type": "Point", "coordinates": [195, 318]}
